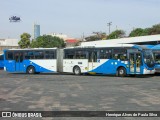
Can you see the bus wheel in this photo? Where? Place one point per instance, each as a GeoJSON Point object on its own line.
{"type": "Point", "coordinates": [30, 70]}
{"type": "Point", "coordinates": [121, 72]}
{"type": "Point", "coordinates": [77, 70]}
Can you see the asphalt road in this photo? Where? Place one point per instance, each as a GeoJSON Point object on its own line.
{"type": "Point", "coordinates": [67, 92]}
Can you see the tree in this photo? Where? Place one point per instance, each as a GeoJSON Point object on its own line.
{"type": "Point", "coordinates": [47, 41]}
{"type": "Point", "coordinates": [139, 32]}
{"type": "Point", "coordinates": [97, 36]}
{"type": "Point", "coordinates": [136, 32]}
{"type": "Point", "coordinates": [116, 34]}
{"type": "Point", "coordinates": [25, 40]}
{"type": "Point", "coordinates": [155, 29]}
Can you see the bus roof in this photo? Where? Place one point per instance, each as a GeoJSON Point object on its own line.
{"type": "Point", "coordinates": [31, 49]}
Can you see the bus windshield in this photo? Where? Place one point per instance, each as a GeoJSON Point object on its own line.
{"type": "Point", "coordinates": [148, 58]}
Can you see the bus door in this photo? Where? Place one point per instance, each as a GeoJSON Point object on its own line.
{"type": "Point", "coordinates": [135, 63]}
{"type": "Point", "coordinates": [18, 56]}
{"type": "Point", "coordinates": [92, 60]}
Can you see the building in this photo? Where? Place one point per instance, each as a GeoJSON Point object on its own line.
{"type": "Point", "coordinates": [70, 42]}
{"type": "Point", "coordinates": [36, 31]}
{"type": "Point", "coordinates": [60, 35]}
{"type": "Point", "coordinates": [8, 44]}
{"type": "Point", "coordinates": [140, 40]}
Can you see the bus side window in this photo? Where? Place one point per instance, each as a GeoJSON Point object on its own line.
{"type": "Point", "coordinates": [26, 56]}
{"type": "Point", "coordinates": [38, 54]}
{"type": "Point", "coordinates": [115, 56]}
{"type": "Point", "coordinates": [1, 57]}
{"type": "Point", "coordinates": [30, 54]}
{"type": "Point", "coordinates": [122, 57]}
{"type": "Point", "coordinates": [69, 54]}
{"type": "Point", "coordinates": [9, 56]}
{"type": "Point", "coordinates": [21, 57]}
{"type": "Point", "coordinates": [16, 57]}
{"type": "Point", "coordinates": [49, 54]}
{"type": "Point", "coordinates": [157, 58]}
{"type": "Point", "coordinates": [80, 54]}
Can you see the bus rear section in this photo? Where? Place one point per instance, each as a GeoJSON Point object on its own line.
{"type": "Point", "coordinates": [116, 61]}
{"type": "Point", "coordinates": [1, 61]}
{"type": "Point", "coordinates": [30, 60]}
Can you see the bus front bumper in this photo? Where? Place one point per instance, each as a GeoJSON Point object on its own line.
{"type": "Point", "coordinates": [145, 71]}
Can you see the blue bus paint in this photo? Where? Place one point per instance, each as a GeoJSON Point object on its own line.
{"type": "Point", "coordinates": [12, 66]}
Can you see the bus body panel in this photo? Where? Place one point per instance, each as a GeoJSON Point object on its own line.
{"type": "Point", "coordinates": [107, 66]}
{"type": "Point", "coordinates": [9, 65]}
{"type": "Point", "coordinates": [41, 65]}
{"type": "Point", "coordinates": [69, 64]}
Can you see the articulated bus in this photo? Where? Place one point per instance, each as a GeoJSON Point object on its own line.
{"type": "Point", "coordinates": [120, 61]}
{"type": "Point", "coordinates": [1, 61]}
{"type": "Point", "coordinates": [30, 60]}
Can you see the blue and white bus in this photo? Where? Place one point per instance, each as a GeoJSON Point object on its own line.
{"type": "Point", "coordinates": [30, 60]}
{"type": "Point", "coordinates": [1, 61]}
{"type": "Point", "coordinates": [120, 61]}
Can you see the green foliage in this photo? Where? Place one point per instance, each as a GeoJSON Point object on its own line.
{"type": "Point", "coordinates": [25, 40]}
{"type": "Point", "coordinates": [116, 34]}
{"type": "Point", "coordinates": [155, 29]}
{"type": "Point", "coordinates": [47, 41]}
{"type": "Point", "coordinates": [92, 38]}
{"type": "Point", "coordinates": [97, 36]}
{"type": "Point", "coordinates": [136, 32]}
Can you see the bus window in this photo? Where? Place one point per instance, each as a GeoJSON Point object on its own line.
{"type": "Point", "coordinates": [39, 54]}
{"type": "Point", "coordinates": [122, 57]}
{"type": "Point", "coordinates": [69, 54]}
{"type": "Point", "coordinates": [1, 57]}
{"type": "Point", "coordinates": [80, 54]}
{"type": "Point", "coordinates": [157, 57]}
{"type": "Point", "coordinates": [105, 54]}
{"type": "Point", "coordinates": [9, 55]}
{"type": "Point", "coordinates": [120, 54]}
{"type": "Point", "coordinates": [26, 56]}
{"type": "Point", "coordinates": [18, 57]}
{"type": "Point", "coordinates": [30, 54]}
{"type": "Point", "coordinates": [50, 55]}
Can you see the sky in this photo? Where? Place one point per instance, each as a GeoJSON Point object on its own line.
{"type": "Point", "coordinates": [76, 18]}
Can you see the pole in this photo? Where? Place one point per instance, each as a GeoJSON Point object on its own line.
{"type": "Point", "coordinates": [109, 24]}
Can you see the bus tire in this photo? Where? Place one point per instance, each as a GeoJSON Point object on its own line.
{"type": "Point", "coordinates": [77, 70]}
{"type": "Point", "coordinates": [121, 72]}
{"type": "Point", "coordinates": [30, 70]}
